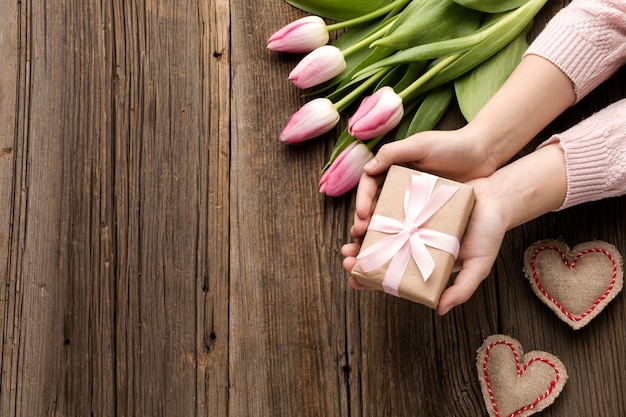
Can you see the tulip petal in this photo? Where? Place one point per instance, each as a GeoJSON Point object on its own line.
{"type": "Point", "coordinates": [319, 66]}
{"type": "Point", "coordinates": [302, 35]}
{"type": "Point", "coordinates": [344, 173]}
{"type": "Point", "coordinates": [313, 119]}
{"type": "Point", "coordinates": [377, 115]}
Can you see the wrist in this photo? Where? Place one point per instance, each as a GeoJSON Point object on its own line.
{"type": "Point", "coordinates": [535, 94]}
{"type": "Point", "coordinates": [486, 143]}
{"type": "Point", "coordinates": [531, 186]}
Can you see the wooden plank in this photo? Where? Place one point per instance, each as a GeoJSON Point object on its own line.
{"type": "Point", "coordinates": [117, 293]}
{"type": "Point", "coordinates": [214, 254]}
{"type": "Point", "coordinates": [9, 180]}
{"type": "Point", "coordinates": [211, 359]}
{"type": "Point", "coordinates": [287, 320]}
{"type": "Point", "coordinates": [172, 144]}
{"type": "Point", "coordinates": [39, 230]}
{"type": "Point", "coordinates": [63, 214]}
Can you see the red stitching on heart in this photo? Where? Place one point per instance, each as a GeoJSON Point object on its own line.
{"type": "Point", "coordinates": [520, 372]}
{"type": "Point", "coordinates": [572, 266]}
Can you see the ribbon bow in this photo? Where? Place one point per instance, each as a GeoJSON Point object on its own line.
{"type": "Point", "coordinates": [407, 237]}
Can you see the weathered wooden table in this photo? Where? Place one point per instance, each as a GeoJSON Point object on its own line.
{"type": "Point", "coordinates": [163, 254]}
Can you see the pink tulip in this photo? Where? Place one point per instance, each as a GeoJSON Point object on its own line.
{"type": "Point", "coordinates": [345, 171]}
{"type": "Point", "coordinates": [302, 35]}
{"type": "Point", "coordinates": [318, 66]}
{"type": "Point", "coordinates": [316, 117]}
{"type": "Point", "coordinates": [377, 114]}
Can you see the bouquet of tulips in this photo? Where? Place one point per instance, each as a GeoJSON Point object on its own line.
{"type": "Point", "coordinates": [405, 59]}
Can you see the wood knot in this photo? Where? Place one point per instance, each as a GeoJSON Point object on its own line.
{"type": "Point", "coordinates": [6, 152]}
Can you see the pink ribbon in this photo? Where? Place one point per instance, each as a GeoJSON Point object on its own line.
{"type": "Point", "coordinates": [407, 237]}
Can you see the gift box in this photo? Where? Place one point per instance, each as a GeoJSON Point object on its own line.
{"type": "Point", "coordinates": [413, 237]}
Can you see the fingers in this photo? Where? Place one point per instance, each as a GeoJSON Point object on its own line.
{"type": "Point", "coordinates": [465, 284]}
{"type": "Point", "coordinates": [356, 286]}
{"type": "Point", "coordinates": [366, 195]}
{"type": "Point", "coordinates": [365, 201]}
{"type": "Point", "coordinates": [349, 252]}
{"type": "Point", "coordinates": [405, 150]}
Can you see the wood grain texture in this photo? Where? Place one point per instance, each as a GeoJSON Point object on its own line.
{"type": "Point", "coordinates": [119, 197]}
{"type": "Point", "coordinates": [10, 175]}
{"type": "Point", "coordinates": [287, 320]}
{"type": "Point", "coordinates": [163, 254]}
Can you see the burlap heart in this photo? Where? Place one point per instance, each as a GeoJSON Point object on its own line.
{"type": "Point", "coordinates": [514, 384]}
{"type": "Point", "coordinates": [576, 284]}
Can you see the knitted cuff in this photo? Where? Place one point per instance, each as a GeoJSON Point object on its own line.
{"type": "Point", "coordinates": [595, 156]}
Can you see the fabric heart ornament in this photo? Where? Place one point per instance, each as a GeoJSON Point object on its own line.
{"type": "Point", "coordinates": [515, 384]}
{"type": "Point", "coordinates": [574, 283]}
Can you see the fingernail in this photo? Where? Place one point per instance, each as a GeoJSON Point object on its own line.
{"type": "Point", "coordinates": [371, 164]}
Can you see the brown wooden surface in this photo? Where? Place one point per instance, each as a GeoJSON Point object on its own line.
{"type": "Point", "coordinates": [163, 254]}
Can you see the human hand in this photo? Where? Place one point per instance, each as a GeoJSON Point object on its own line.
{"type": "Point", "coordinates": [519, 192]}
{"type": "Point", "coordinates": [479, 247]}
{"type": "Point", "coordinates": [457, 155]}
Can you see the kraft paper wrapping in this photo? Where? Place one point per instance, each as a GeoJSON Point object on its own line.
{"type": "Point", "coordinates": [451, 219]}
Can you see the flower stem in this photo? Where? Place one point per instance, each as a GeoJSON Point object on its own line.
{"type": "Point", "coordinates": [366, 41]}
{"type": "Point", "coordinates": [366, 17]}
{"type": "Point", "coordinates": [373, 142]}
{"type": "Point", "coordinates": [354, 94]}
{"type": "Point", "coordinates": [434, 70]}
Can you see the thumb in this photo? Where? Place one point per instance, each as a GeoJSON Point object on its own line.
{"type": "Point", "coordinates": [465, 284]}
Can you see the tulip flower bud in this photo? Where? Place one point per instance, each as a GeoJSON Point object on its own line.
{"type": "Point", "coordinates": [346, 170]}
{"type": "Point", "coordinates": [318, 66]}
{"type": "Point", "coordinates": [302, 35]}
{"type": "Point", "coordinates": [316, 117]}
{"type": "Point", "coordinates": [377, 114]}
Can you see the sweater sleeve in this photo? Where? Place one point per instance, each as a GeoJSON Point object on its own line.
{"type": "Point", "coordinates": [586, 40]}
{"type": "Point", "coordinates": [595, 156]}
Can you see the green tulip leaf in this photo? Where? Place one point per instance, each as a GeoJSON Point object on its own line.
{"type": "Point", "coordinates": [491, 6]}
{"type": "Point", "coordinates": [393, 77]}
{"type": "Point", "coordinates": [375, 55]}
{"type": "Point", "coordinates": [422, 53]}
{"type": "Point", "coordinates": [344, 140]}
{"type": "Point", "coordinates": [476, 87]}
{"type": "Point", "coordinates": [493, 25]}
{"type": "Point", "coordinates": [409, 113]}
{"type": "Point", "coordinates": [428, 113]}
{"type": "Point", "coordinates": [357, 32]}
{"type": "Point", "coordinates": [518, 22]}
{"type": "Point", "coordinates": [413, 71]}
{"type": "Point", "coordinates": [339, 10]}
{"type": "Point", "coordinates": [427, 21]}
{"type": "Point", "coordinates": [349, 83]}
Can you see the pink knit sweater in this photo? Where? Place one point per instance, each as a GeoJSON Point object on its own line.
{"type": "Point", "coordinates": [587, 41]}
